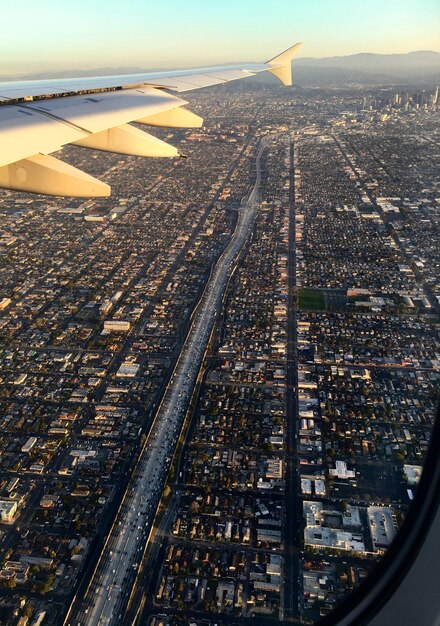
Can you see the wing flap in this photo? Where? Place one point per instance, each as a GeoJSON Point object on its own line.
{"type": "Point", "coordinates": [42, 173]}
{"type": "Point", "coordinates": [127, 139]}
{"type": "Point", "coordinates": [173, 118]}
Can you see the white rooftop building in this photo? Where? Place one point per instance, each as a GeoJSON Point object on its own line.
{"type": "Point", "coordinates": [117, 326]}
{"type": "Point", "coordinates": [412, 473]}
{"type": "Point", "coordinates": [27, 447]}
{"type": "Point", "coordinates": [128, 370]}
{"type": "Point", "coordinates": [341, 471]}
{"type": "Point", "coordinates": [333, 538]}
{"type": "Point", "coordinates": [351, 517]}
{"type": "Point", "coordinates": [318, 535]}
{"type": "Point", "coordinates": [382, 526]}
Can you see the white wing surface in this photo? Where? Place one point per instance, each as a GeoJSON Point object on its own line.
{"type": "Point", "coordinates": [39, 117]}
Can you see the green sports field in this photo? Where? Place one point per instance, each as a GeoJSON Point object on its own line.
{"type": "Point", "coordinates": [310, 299]}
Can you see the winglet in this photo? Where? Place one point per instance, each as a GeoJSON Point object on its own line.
{"type": "Point", "coordinates": [282, 67]}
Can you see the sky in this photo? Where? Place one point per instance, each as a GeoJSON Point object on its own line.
{"type": "Point", "coordinates": [53, 35]}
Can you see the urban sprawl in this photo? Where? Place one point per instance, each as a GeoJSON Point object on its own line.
{"type": "Point", "coordinates": [218, 386]}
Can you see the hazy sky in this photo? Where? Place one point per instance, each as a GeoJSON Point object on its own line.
{"type": "Point", "coordinates": [81, 34]}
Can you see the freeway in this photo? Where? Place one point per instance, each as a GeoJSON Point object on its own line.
{"type": "Point", "coordinates": [107, 594]}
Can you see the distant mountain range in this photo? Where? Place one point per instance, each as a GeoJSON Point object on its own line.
{"type": "Point", "coordinates": [363, 68]}
{"type": "Point", "coordinates": [369, 62]}
{"type": "Point", "coordinates": [413, 67]}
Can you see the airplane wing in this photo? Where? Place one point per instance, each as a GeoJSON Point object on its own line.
{"type": "Point", "coordinates": [39, 117]}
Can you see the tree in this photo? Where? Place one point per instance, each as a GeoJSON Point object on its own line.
{"type": "Point", "coordinates": [167, 491]}
{"type": "Point", "coordinates": [10, 584]}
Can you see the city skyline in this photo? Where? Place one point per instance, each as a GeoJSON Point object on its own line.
{"type": "Point", "coordinates": [112, 36]}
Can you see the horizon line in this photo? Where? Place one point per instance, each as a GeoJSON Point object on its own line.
{"type": "Point", "coordinates": [28, 74]}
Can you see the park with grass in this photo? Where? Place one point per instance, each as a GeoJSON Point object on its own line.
{"type": "Point", "coordinates": [310, 299]}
